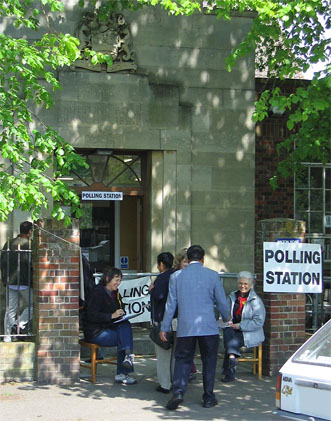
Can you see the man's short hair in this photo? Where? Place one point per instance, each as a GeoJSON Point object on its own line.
{"type": "Point", "coordinates": [195, 253]}
{"type": "Point", "coordinates": [25, 227]}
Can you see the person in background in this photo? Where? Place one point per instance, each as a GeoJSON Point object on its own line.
{"type": "Point", "coordinates": [16, 274]}
{"type": "Point", "coordinates": [195, 290]}
{"type": "Point", "coordinates": [159, 293]}
{"type": "Point", "coordinates": [181, 262]}
{"type": "Point", "coordinates": [103, 311]}
{"type": "Point", "coordinates": [246, 325]}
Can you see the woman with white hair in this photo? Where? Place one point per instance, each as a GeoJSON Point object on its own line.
{"type": "Point", "coordinates": [246, 325]}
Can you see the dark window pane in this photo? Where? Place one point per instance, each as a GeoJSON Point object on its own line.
{"type": "Point", "coordinates": [302, 216]}
{"type": "Point", "coordinates": [316, 222]}
{"type": "Point", "coordinates": [123, 170]}
{"type": "Point", "coordinates": [316, 200]}
{"type": "Point", "coordinates": [316, 177]}
{"type": "Point", "coordinates": [301, 200]}
{"type": "Point", "coordinates": [301, 178]}
{"type": "Point", "coordinates": [328, 201]}
{"type": "Point", "coordinates": [328, 178]}
{"type": "Point", "coordinates": [327, 252]}
{"type": "Point", "coordinates": [97, 164]}
{"type": "Point", "coordinates": [81, 177]}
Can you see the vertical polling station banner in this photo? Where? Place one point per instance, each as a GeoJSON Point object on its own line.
{"type": "Point", "coordinates": [292, 267]}
{"type": "Point", "coordinates": [136, 298]}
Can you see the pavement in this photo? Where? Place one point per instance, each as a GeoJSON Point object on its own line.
{"type": "Point", "coordinates": [246, 399]}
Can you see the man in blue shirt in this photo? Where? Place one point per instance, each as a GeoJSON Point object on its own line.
{"type": "Point", "coordinates": [195, 290]}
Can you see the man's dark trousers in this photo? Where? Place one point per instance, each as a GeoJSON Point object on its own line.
{"type": "Point", "coordinates": [184, 354]}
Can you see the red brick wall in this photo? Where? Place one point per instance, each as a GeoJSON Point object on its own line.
{"type": "Point", "coordinates": [285, 313]}
{"type": "Point", "coordinates": [268, 134]}
{"type": "Point", "coordinates": [56, 289]}
{"type": "Point", "coordinates": [269, 203]}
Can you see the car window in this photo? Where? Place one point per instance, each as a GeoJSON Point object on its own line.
{"type": "Point", "coordinates": [317, 350]}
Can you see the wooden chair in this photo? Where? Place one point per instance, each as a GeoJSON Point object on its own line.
{"type": "Point", "coordinates": [94, 361]}
{"type": "Point", "coordinates": [256, 360]}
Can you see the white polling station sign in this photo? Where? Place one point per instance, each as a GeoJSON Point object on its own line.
{"type": "Point", "coordinates": [136, 298]}
{"type": "Point", "coordinates": [102, 195]}
{"type": "Point", "coordinates": [292, 267]}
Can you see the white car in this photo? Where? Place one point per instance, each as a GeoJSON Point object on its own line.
{"type": "Point", "coordinates": [304, 382]}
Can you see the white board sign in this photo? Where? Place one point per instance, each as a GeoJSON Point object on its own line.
{"type": "Point", "coordinates": [102, 195]}
{"type": "Point", "coordinates": [136, 298]}
{"type": "Point", "coordinates": [292, 267]}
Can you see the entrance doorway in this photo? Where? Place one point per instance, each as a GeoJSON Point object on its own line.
{"type": "Point", "coordinates": [112, 231]}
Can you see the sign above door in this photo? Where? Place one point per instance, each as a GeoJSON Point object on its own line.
{"type": "Point", "coordinates": [101, 195]}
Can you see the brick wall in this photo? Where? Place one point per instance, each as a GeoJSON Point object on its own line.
{"type": "Point", "coordinates": [269, 203]}
{"type": "Point", "coordinates": [56, 290]}
{"type": "Point", "coordinates": [268, 135]}
{"type": "Point", "coordinates": [285, 313]}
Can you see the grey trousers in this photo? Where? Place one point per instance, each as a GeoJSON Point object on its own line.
{"type": "Point", "coordinates": [14, 299]}
{"type": "Point", "coordinates": [165, 366]}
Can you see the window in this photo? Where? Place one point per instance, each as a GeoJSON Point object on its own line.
{"type": "Point", "coordinates": [109, 168]}
{"type": "Point", "coordinates": [318, 349]}
{"type": "Point", "coordinates": [313, 198]}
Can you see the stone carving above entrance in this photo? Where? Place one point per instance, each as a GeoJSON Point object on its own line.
{"type": "Point", "coordinates": [111, 37]}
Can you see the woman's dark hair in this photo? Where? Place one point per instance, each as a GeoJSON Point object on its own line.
{"type": "Point", "coordinates": [108, 275]}
{"type": "Point", "coordinates": [166, 258]}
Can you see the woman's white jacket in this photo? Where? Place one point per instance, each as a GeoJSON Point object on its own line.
{"type": "Point", "coordinates": [252, 318]}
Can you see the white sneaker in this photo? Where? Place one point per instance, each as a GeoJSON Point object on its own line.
{"type": "Point", "coordinates": [125, 379]}
{"type": "Point", "coordinates": [7, 338]}
{"type": "Point", "coordinates": [128, 361]}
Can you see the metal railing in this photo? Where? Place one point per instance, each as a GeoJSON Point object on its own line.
{"type": "Point", "coordinates": [318, 306]}
{"type": "Point", "coordinates": [16, 296]}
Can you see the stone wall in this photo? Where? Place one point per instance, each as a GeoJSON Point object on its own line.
{"type": "Point", "coordinates": [56, 295]}
{"type": "Point", "coordinates": [17, 361]}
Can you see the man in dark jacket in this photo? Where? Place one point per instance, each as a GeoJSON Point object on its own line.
{"type": "Point", "coordinates": [16, 274]}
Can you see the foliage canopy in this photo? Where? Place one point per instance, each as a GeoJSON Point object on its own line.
{"type": "Point", "coordinates": [288, 37]}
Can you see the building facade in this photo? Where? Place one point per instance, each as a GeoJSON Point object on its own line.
{"type": "Point", "coordinates": [166, 127]}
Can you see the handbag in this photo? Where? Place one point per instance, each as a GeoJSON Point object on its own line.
{"type": "Point", "coordinates": [155, 337]}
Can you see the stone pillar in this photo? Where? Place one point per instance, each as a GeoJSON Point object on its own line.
{"type": "Point", "coordinates": [56, 290]}
{"type": "Point", "coordinates": [285, 313]}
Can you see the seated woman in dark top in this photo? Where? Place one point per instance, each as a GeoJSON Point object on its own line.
{"type": "Point", "coordinates": [103, 308]}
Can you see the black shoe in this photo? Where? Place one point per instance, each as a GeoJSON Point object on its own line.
{"type": "Point", "coordinates": [162, 389]}
{"type": "Point", "coordinates": [228, 378]}
{"type": "Point", "coordinates": [175, 401]}
{"type": "Point", "coordinates": [209, 403]}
